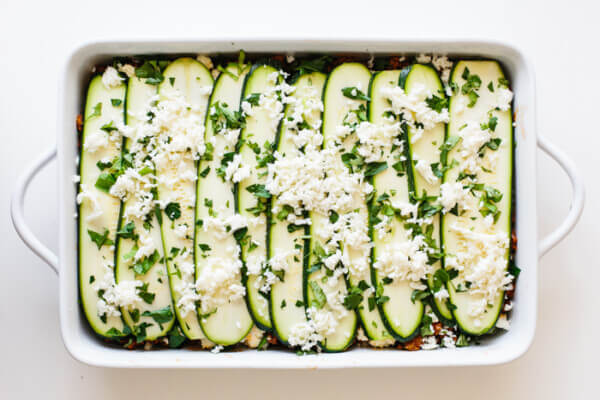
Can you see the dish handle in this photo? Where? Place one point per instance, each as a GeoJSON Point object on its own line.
{"type": "Point", "coordinates": [578, 189]}
{"type": "Point", "coordinates": [17, 204]}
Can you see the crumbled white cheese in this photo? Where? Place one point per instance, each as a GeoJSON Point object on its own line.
{"type": "Point", "coordinates": [481, 260]}
{"type": "Point", "coordinates": [504, 98]}
{"type": "Point", "coordinates": [443, 65]}
{"type": "Point", "coordinates": [217, 349]}
{"type": "Point", "coordinates": [219, 282]}
{"type": "Point", "coordinates": [424, 169]}
{"type": "Point", "coordinates": [221, 227]}
{"type": "Point", "coordinates": [95, 140]}
{"type": "Point", "coordinates": [122, 295]}
{"type": "Point", "coordinates": [429, 343]}
{"type": "Point", "coordinates": [235, 171]}
{"type": "Point", "coordinates": [423, 58]}
{"type": "Point", "coordinates": [376, 140]}
{"type": "Point", "coordinates": [405, 260]}
{"type": "Point", "coordinates": [111, 78]}
{"type": "Point", "coordinates": [146, 245]}
{"type": "Point", "coordinates": [91, 195]}
{"type": "Point", "coordinates": [304, 335]}
{"type": "Point", "coordinates": [315, 180]}
{"type": "Point", "coordinates": [451, 194]}
{"type": "Point", "coordinates": [472, 139]}
{"type": "Point", "coordinates": [414, 108]}
{"type": "Point", "coordinates": [503, 322]}
{"type": "Point", "coordinates": [448, 342]}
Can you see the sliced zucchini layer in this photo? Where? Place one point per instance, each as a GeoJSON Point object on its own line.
{"type": "Point", "coordinates": [298, 209]}
{"type": "Point", "coordinates": [287, 239]}
{"type": "Point", "coordinates": [401, 316]}
{"type": "Point", "coordinates": [145, 267]}
{"type": "Point", "coordinates": [263, 110]}
{"type": "Point", "coordinates": [98, 210]}
{"type": "Point", "coordinates": [223, 314]}
{"type": "Point", "coordinates": [343, 106]}
{"type": "Point", "coordinates": [424, 156]}
{"type": "Point", "coordinates": [183, 100]}
{"type": "Point", "coordinates": [476, 194]}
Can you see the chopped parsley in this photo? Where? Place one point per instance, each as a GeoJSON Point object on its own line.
{"type": "Point", "coordinates": [96, 111]}
{"type": "Point", "coordinates": [161, 316]}
{"type": "Point", "coordinates": [436, 103]}
{"type": "Point", "coordinates": [142, 266]}
{"type": "Point", "coordinates": [315, 65]}
{"type": "Point", "coordinates": [151, 72]}
{"type": "Point", "coordinates": [145, 295]}
{"type": "Point", "coordinates": [105, 181]}
{"type": "Point", "coordinates": [354, 93]}
{"type": "Point", "coordinates": [173, 211]}
{"type": "Point", "coordinates": [319, 299]}
{"type": "Point", "coordinates": [470, 87]}
{"type": "Point", "coordinates": [100, 239]}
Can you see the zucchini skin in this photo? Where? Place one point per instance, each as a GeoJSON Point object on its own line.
{"type": "Point", "coordinates": [357, 315]}
{"type": "Point", "coordinates": [81, 278]}
{"type": "Point", "coordinates": [461, 327]}
{"type": "Point", "coordinates": [186, 330]}
{"type": "Point", "coordinates": [222, 332]}
{"type": "Point", "coordinates": [180, 320]}
{"type": "Point", "coordinates": [407, 152]}
{"type": "Point", "coordinates": [432, 303]}
{"type": "Point", "coordinates": [305, 242]}
{"type": "Point", "coordinates": [413, 191]}
{"type": "Point", "coordinates": [386, 323]}
{"type": "Point", "coordinates": [236, 193]}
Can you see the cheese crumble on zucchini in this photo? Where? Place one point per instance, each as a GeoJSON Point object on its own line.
{"type": "Point", "coordinates": [313, 203]}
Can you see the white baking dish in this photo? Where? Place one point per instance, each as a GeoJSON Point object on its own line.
{"type": "Point", "coordinates": [84, 346]}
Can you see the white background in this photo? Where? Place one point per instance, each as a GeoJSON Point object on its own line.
{"type": "Point", "coordinates": [561, 38]}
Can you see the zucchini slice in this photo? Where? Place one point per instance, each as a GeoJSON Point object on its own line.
{"type": "Point", "coordinates": [401, 316]}
{"type": "Point", "coordinates": [287, 242]}
{"type": "Point", "coordinates": [184, 92]}
{"type": "Point", "coordinates": [98, 210]}
{"type": "Point", "coordinates": [257, 141]}
{"type": "Point", "coordinates": [155, 313]}
{"type": "Point", "coordinates": [336, 109]}
{"type": "Point", "coordinates": [425, 148]}
{"type": "Point", "coordinates": [481, 121]}
{"type": "Point", "coordinates": [217, 251]}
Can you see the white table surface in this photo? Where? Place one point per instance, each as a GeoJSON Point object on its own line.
{"type": "Point", "coordinates": [561, 39]}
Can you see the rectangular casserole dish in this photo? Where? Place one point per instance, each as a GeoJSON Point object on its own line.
{"type": "Point", "coordinates": [85, 347]}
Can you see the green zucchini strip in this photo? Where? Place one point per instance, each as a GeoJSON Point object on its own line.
{"type": "Point", "coordinates": [288, 246]}
{"type": "Point", "coordinates": [424, 156]}
{"type": "Point", "coordinates": [223, 314]}
{"type": "Point", "coordinates": [400, 315]}
{"type": "Point", "coordinates": [180, 115]}
{"type": "Point", "coordinates": [98, 210]}
{"type": "Point", "coordinates": [140, 255]}
{"type": "Point", "coordinates": [477, 194]}
{"type": "Point", "coordinates": [263, 111]}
